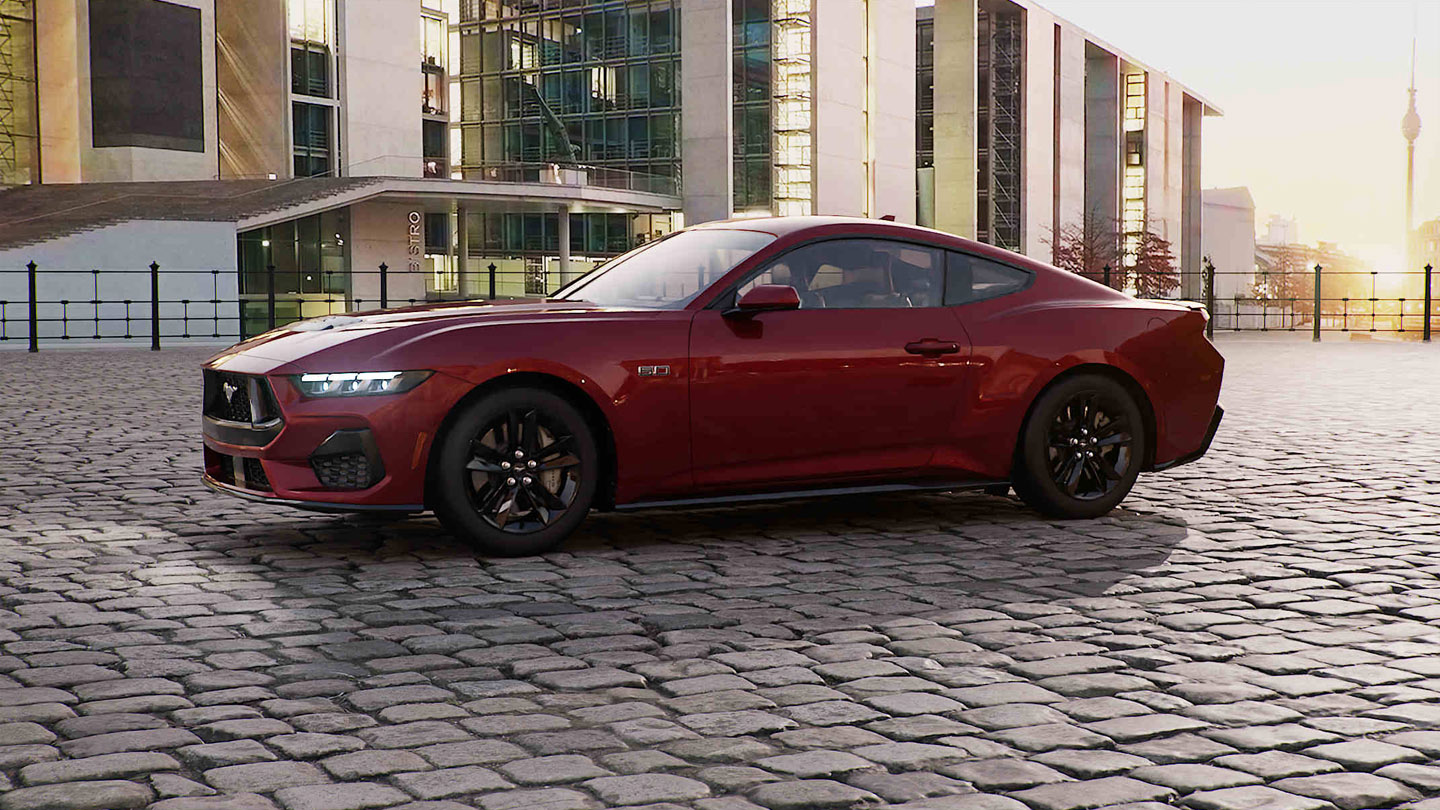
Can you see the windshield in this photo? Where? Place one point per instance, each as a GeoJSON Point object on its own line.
{"type": "Point", "coordinates": [667, 274]}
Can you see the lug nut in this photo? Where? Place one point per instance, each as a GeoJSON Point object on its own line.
{"type": "Point", "coordinates": [530, 464]}
{"type": "Point", "coordinates": [510, 481]}
{"type": "Point", "coordinates": [519, 453]}
{"type": "Point", "coordinates": [504, 465]}
{"type": "Point", "coordinates": [527, 479]}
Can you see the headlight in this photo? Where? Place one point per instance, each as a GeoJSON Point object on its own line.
{"type": "Point", "coordinates": [358, 383]}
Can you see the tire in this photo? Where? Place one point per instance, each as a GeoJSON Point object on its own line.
{"type": "Point", "coordinates": [1086, 413]}
{"type": "Point", "coordinates": [517, 472]}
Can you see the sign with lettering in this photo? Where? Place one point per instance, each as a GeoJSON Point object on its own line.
{"type": "Point", "coordinates": [417, 241]}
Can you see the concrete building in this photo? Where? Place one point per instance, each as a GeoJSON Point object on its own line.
{"type": "Point", "coordinates": [1228, 237]}
{"type": "Point", "coordinates": [1228, 240]}
{"type": "Point", "coordinates": [515, 143]}
{"type": "Point", "coordinates": [1028, 123]}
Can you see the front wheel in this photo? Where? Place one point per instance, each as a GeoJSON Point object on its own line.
{"type": "Point", "coordinates": [1081, 449]}
{"type": "Point", "coordinates": [516, 472]}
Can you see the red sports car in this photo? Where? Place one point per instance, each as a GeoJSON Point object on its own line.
{"type": "Point", "coordinates": [758, 358]}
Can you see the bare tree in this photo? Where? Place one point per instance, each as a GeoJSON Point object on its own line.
{"type": "Point", "coordinates": [1088, 247]}
{"type": "Point", "coordinates": [1153, 274]}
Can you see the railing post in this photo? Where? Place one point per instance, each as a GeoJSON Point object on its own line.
{"type": "Point", "coordinates": [34, 312]}
{"type": "Point", "coordinates": [1428, 272]}
{"type": "Point", "coordinates": [1316, 314]}
{"type": "Point", "coordinates": [1209, 298]}
{"type": "Point", "coordinates": [154, 306]}
{"type": "Point", "coordinates": [384, 287]}
{"type": "Point", "coordinates": [270, 297]}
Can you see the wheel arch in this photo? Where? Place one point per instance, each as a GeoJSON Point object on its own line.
{"type": "Point", "coordinates": [1119, 375]}
{"type": "Point", "coordinates": [589, 409]}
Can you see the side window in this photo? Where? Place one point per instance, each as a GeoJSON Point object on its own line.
{"type": "Point", "coordinates": [971, 278]}
{"type": "Point", "coordinates": [857, 274]}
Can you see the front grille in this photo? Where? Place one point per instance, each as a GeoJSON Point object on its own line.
{"type": "Point", "coordinates": [228, 397]}
{"type": "Point", "coordinates": [342, 471]}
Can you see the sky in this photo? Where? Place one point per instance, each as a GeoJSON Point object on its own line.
{"type": "Point", "coordinates": [1312, 93]}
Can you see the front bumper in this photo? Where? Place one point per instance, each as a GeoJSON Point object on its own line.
{"type": "Point", "coordinates": [1204, 445]}
{"type": "Point", "coordinates": [336, 454]}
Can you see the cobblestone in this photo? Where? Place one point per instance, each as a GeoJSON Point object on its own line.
{"type": "Point", "coordinates": [1253, 630]}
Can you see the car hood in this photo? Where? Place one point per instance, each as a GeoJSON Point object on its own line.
{"type": "Point", "coordinates": [391, 329]}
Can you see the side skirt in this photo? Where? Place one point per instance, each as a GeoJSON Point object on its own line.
{"type": "Point", "coordinates": [797, 494]}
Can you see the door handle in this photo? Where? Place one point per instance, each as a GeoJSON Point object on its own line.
{"type": "Point", "coordinates": [931, 346]}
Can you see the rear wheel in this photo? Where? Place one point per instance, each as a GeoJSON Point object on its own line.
{"type": "Point", "coordinates": [1081, 449]}
{"type": "Point", "coordinates": [516, 473]}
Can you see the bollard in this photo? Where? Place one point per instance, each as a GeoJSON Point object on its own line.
{"type": "Point", "coordinates": [154, 306]}
{"type": "Point", "coordinates": [384, 287]}
{"type": "Point", "coordinates": [492, 281]}
{"type": "Point", "coordinates": [270, 298]}
{"type": "Point", "coordinates": [1107, 275]}
{"type": "Point", "coordinates": [1209, 298]}
{"type": "Point", "coordinates": [1316, 315]}
{"type": "Point", "coordinates": [1428, 271]}
{"type": "Point", "coordinates": [34, 312]}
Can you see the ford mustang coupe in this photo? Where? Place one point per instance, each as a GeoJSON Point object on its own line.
{"type": "Point", "coordinates": [759, 358]}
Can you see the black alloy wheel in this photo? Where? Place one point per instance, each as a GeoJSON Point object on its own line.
{"type": "Point", "coordinates": [1090, 444]}
{"type": "Point", "coordinates": [523, 473]}
{"type": "Point", "coordinates": [1081, 449]}
{"type": "Point", "coordinates": [516, 472]}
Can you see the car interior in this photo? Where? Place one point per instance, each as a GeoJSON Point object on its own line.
{"type": "Point", "coordinates": [858, 275]}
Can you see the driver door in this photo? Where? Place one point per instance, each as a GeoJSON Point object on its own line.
{"type": "Point", "coordinates": [859, 384]}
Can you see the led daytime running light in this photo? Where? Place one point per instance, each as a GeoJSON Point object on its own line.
{"type": "Point", "coordinates": [358, 383]}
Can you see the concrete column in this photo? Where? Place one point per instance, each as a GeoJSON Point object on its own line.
{"type": "Point", "coordinates": [1103, 143]}
{"type": "Point", "coordinates": [838, 126]}
{"type": "Point", "coordinates": [564, 233]}
{"type": "Point", "coordinates": [955, 117]}
{"type": "Point", "coordinates": [1069, 201]}
{"type": "Point", "coordinates": [706, 122]}
{"type": "Point", "coordinates": [892, 108]}
{"type": "Point", "coordinates": [1037, 163]}
{"type": "Point", "coordinates": [380, 129]}
{"type": "Point", "coordinates": [1191, 205]}
{"type": "Point", "coordinates": [462, 250]}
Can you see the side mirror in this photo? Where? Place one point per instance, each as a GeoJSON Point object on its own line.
{"type": "Point", "coordinates": [766, 298]}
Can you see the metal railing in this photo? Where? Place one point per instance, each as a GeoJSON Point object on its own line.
{"type": "Point", "coordinates": [158, 305]}
{"type": "Point", "coordinates": [1319, 301]}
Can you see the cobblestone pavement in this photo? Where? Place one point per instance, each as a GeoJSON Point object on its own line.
{"type": "Point", "coordinates": [1256, 630]}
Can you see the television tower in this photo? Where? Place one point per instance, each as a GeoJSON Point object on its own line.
{"type": "Point", "coordinates": [1410, 128]}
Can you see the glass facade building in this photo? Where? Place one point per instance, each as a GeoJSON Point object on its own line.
{"type": "Point", "coordinates": [19, 117]}
{"type": "Point", "coordinates": [594, 83]}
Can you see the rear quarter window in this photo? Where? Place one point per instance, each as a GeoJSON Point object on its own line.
{"type": "Point", "coordinates": [972, 278]}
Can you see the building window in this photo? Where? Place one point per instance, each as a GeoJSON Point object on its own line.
{"type": "Point", "coordinates": [312, 41]}
{"type": "Point", "coordinates": [310, 70]}
{"type": "Point", "coordinates": [924, 93]}
{"type": "Point", "coordinates": [19, 120]}
{"type": "Point", "coordinates": [433, 65]}
{"type": "Point", "coordinates": [312, 129]}
{"type": "Point", "coordinates": [752, 105]}
{"type": "Point", "coordinates": [1132, 195]}
{"type": "Point", "coordinates": [437, 163]}
{"type": "Point", "coordinates": [311, 270]}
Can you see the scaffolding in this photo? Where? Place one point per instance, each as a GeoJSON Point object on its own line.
{"type": "Point", "coordinates": [1004, 128]}
{"type": "Point", "coordinates": [17, 72]}
{"type": "Point", "coordinates": [791, 67]}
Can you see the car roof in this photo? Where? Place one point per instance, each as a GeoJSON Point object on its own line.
{"type": "Point", "coordinates": [830, 225]}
